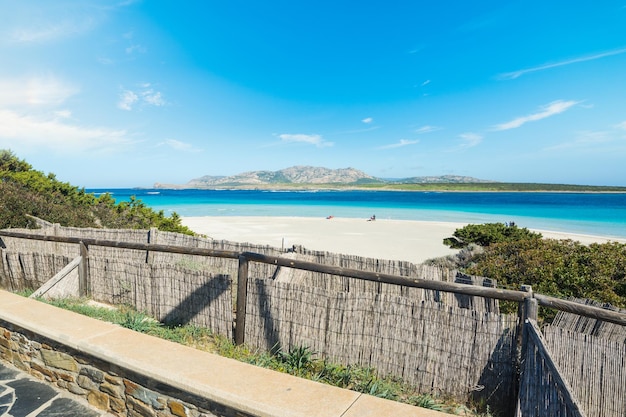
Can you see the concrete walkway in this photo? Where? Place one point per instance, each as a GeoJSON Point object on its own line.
{"type": "Point", "coordinates": [22, 396]}
{"type": "Point", "coordinates": [247, 388]}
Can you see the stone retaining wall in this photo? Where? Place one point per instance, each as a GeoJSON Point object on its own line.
{"type": "Point", "coordinates": [103, 385]}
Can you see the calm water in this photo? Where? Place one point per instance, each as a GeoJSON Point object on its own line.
{"type": "Point", "coordinates": [587, 213]}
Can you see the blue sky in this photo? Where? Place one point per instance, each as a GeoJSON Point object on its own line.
{"type": "Point", "coordinates": [129, 93]}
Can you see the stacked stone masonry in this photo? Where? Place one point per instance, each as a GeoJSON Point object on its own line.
{"type": "Point", "coordinates": [104, 390]}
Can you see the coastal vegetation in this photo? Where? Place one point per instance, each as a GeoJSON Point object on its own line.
{"type": "Point", "coordinates": [515, 256]}
{"type": "Point", "coordinates": [25, 192]}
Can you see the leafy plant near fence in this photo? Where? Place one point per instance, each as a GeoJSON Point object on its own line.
{"type": "Point", "coordinates": [25, 191]}
{"type": "Point", "coordinates": [560, 268]}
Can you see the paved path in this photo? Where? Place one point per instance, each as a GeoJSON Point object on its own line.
{"type": "Point", "coordinates": [23, 396]}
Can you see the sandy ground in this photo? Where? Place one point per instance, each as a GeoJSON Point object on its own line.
{"type": "Point", "coordinates": [414, 241]}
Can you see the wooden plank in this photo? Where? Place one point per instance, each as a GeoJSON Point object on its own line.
{"type": "Point", "coordinates": [84, 285]}
{"type": "Point", "coordinates": [566, 391]}
{"type": "Point", "coordinates": [242, 301]}
{"type": "Point", "coordinates": [57, 278]}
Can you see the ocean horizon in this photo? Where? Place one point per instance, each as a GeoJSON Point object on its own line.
{"type": "Point", "coordinates": [598, 214]}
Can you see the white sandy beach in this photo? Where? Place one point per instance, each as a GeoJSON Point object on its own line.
{"type": "Point", "coordinates": [407, 240]}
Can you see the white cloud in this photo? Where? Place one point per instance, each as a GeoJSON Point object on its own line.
{"type": "Point", "coordinates": [551, 109]}
{"type": "Point", "coordinates": [127, 99]}
{"type": "Point", "coordinates": [135, 48]}
{"type": "Point", "coordinates": [470, 140]}
{"type": "Point", "coordinates": [584, 140]}
{"type": "Point", "coordinates": [63, 114]}
{"type": "Point", "coordinates": [147, 95]}
{"type": "Point", "coordinates": [316, 140]}
{"type": "Point", "coordinates": [367, 120]}
{"type": "Point", "coordinates": [401, 143]}
{"type": "Point", "coordinates": [25, 131]}
{"type": "Point", "coordinates": [34, 91]}
{"type": "Point", "coordinates": [427, 129]}
{"type": "Point", "coordinates": [516, 74]}
{"type": "Point", "coordinates": [425, 83]}
{"type": "Point", "coordinates": [42, 32]}
{"type": "Point", "coordinates": [178, 145]}
{"type": "Point", "coordinates": [153, 97]}
{"type": "Point", "coordinates": [596, 141]}
{"type": "Point", "coordinates": [105, 61]}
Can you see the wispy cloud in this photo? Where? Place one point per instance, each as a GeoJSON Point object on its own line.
{"type": "Point", "coordinates": [145, 95]}
{"type": "Point", "coordinates": [351, 132]}
{"type": "Point", "coordinates": [178, 145]}
{"type": "Point", "coordinates": [610, 140]}
{"type": "Point", "coordinates": [588, 139]}
{"type": "Point", "coordinates": [427, 129]}
{"type": "Point", "coordinates": [548, 110]}
{"type": "Point", "coordinates": [469, 140]}
{"type": "Point", "coordinates": [19, 130]}
{"type": "Point", "coordinates": [316, 140]}
{"type": "Point", "coordinates": [42, 32]}
{"type": "Point", "coordinates": [400, 144]}
{"type": "Point", "coordinates": [127, 100]}
{"type": "Point", "coordinates": [136, 48]}
{"type": "Point", "coordinates": [516, 74]}
{"type": "Point", "coordinates": [35, 91]}
{"type": "Point", "coordinates": [367, 120]}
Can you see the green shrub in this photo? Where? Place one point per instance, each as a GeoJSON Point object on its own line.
{"type": "Point", "coordinates": [488, 234]}
{"type": "Point", "coordinates": [24, 191]}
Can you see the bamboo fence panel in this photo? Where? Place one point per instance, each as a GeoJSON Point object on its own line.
{"type": "Point", "coordinates": [29, 270]}
{"type": "Point", "coordinates": [595, 368]}
{"type": "Point", "coordinates": [438, 348]}
{"type": "Point", "coordinates": [587, 325]}
{"type": "Point", "coordinates": [170, 293]}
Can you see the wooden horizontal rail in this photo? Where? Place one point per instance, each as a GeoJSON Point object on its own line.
{"type": "Point", "coordinates": [581, 309]}
{"type": "Point", "coordinates": [126, 245]}
{"type": "Point", "coordinates": [474, 290]}
{"type": "Point", "coordinates": [465, 289]}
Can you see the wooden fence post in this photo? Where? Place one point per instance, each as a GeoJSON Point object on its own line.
{"type": "Point", "coordinates": [152, 238]}
{"type": "Point", "coordinates": [84, 286]}
{"type": "Point", "coordinates": [530, 309]}
{"type": "Point", "coordinates": [527, 310]}
{"type": "Point", "coordinates": [242, 299]}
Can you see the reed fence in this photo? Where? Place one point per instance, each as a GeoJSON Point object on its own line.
{"type": "Point", "coordinates": [442, 332]}
{"type": "Point", "coordinates": [592, 326]}
{"type": "Point", "coordinates": [438, 348]}
{"type": "Point", "coordinates": [595, 368]}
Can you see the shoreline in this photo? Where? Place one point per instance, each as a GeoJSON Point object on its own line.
{"type": "Point", "coordinates": [407, 240]}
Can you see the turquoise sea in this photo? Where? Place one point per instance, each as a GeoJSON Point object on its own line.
{"type": "Point", "coordinates": [586, 213]}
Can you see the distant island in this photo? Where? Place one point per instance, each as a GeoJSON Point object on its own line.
{"type": "Point", "coordinates": [308, 177]}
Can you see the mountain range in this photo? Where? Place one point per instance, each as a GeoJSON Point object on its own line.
{"type": "Point", "coordinates": [310, 175]}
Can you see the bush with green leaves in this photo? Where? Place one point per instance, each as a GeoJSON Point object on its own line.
{"type": "Point", "coordinates": [25, 191]}
{"type": "Point", "coordinates": [488, 234]}
{"type": "Point", "coordinates": [560, 268]}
